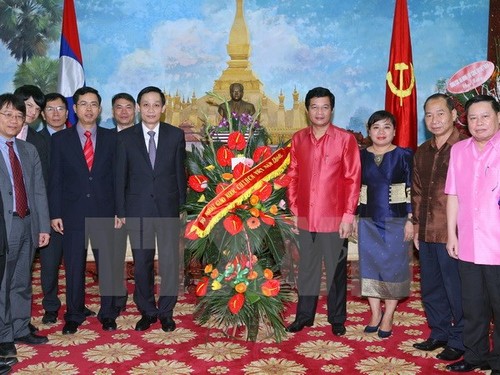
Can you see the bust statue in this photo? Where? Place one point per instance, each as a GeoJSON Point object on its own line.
{"type": "Point", "coordinates": [236, 104]}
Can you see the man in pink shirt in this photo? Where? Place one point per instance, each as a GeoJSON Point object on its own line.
{"type": "Point", "coordinates": [325, 174]}
{"type": "Point", "coordinates": [473, 188]}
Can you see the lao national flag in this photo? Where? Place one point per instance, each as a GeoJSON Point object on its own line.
{"type": "Point", "coordinates": [71, 75]}
{"type": "Point", "coordinates": [401, 90]}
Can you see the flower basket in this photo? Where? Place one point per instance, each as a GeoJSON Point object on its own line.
{"type": "Point", "coordinates": [238, 223]}
{"type": "Point", "coordinates": [243, 299]}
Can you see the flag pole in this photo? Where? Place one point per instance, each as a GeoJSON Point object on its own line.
{"type": "Point", "coordinates": [71, 74]}
{"type": "Point", "coordinates": [401, 88]}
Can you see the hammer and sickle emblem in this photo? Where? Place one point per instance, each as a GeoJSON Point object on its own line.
{"type": "Point", "coordinates": [402, 93]}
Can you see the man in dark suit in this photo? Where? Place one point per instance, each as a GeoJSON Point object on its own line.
{"type": "Point", "coordinates": [26, 216]}
{"type": "Point", "coordinates": [151, 187]}
{"type": "Point", "coordinates": [54, 115]}
{"type": "Point", "coordinates": [123, 110]}
{"type": "Point", "coordinates": [81, 199]}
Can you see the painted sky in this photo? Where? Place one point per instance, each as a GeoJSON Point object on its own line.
{"type": "Point", "coordinates": [180, 46]}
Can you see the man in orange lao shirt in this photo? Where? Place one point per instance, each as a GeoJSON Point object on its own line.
{"type": "Point", "coordinates": [325, 174]}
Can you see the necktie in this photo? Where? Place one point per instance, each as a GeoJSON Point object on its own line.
{"type": "Point", "coordinates": [88, 150]}
{"type": "Point", "coordinates": [152, 147]}
{"type": "Point", "coordinates": [19, 188]}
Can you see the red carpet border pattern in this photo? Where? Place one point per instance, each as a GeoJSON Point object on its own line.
{"type": "Point", "coordinates": [192, 349]}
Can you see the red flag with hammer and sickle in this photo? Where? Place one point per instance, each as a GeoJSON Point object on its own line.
{"type": "Point", "coordinates": [401, 90]}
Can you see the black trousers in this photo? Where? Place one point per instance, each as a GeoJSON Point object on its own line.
{"type": "Point", "coordinates": [147, 235]}
{"type": "Point", "coordinates": [100, 232]}
{"type": "Point", "coordinates": [50, 260]}
{"type": "Point", "coordinates": [481, 304]}
{"type": "Point", "coordinates": [314, 250]}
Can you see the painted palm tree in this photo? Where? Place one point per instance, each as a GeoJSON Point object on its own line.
{"type": "Point", "coordinates": [40, 71]}
{"type": "Point", "coordinates": [28, 26]}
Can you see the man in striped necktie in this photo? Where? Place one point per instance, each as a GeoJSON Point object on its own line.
{"type": "Point", "coordinates": [81, 199]}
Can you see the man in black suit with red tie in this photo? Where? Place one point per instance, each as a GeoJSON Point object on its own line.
{"type": "Point", "coordinates": [81, 201]}
{"type": "Point", "coordinates": [151, 187]}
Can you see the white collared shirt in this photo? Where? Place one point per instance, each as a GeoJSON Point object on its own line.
{"type": "Point", "coordinates": [145, 131]}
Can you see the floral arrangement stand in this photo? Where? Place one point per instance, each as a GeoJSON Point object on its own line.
{"type": "Point", "coordinates": [238, 225]}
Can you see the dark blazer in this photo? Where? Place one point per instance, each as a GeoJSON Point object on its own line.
{"type": "Point", "coordinates": [71, 185]}
{"type": "Point", "coordinates": [41, 145]}
{"type": "Point", "coordinates": [141, 190]}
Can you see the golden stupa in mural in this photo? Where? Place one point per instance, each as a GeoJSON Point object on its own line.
{"type": "Point", "coordinates": [190, 113]}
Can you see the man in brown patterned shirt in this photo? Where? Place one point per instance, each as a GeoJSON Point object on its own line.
{"type": "Point", "coordinates": [439, 278]}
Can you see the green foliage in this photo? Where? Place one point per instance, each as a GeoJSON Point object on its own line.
{"type": "Point", "coordinates": [38, 71]}
{"type": "Point", "coordinates": [27, 27]}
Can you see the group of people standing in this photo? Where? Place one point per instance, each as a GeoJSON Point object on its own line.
{"type": "Point", "coordinates": [62, 189]}
{"type": "Point", "coordinates": [444, 200]}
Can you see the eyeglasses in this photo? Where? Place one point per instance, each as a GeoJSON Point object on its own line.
{"type": "Point", "coordinates": [93, 105]}
{"type": "Point", "coordinates": [10, 116]}
{"type": "Point", "coordinates": [55, 109]}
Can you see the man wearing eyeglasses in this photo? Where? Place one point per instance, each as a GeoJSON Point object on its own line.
{"type": "Point", "coordinates": [81, 199]}
{"type": "Point", "coordinates": [26, 218]}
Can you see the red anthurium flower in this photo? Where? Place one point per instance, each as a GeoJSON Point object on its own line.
{"type": "Point", "coordinates": [221, 186]}
{"type": "Point", "coordinates": [198, 182]}
{"type": "Point", "coordinates": [236, 303]}
{"type": "Point", "coordinates": [224, 156]}
{"type": "Point", "coordinates": [201, 288]}
{"type": "Point", "coordinates": [242, 259]}
{"type": "Point", "coordinates": [233, 224]}
{"type": "Point", "coordinates": [282, 181]}
{"type": "Point", "coordinates": [261, 153]}
{"type": "Point", "coordinates": [266, 219]}
{"type": "Point", "coordinates": [239, 170]}
{"type": "Point", "coordinates": [265, 191]}
{"type": "Point", "coordinates": [236, 140]}
{"type": "Point", "coordinates": [270, 288]}
{"type": "Point", "coordinates": [190, 234]}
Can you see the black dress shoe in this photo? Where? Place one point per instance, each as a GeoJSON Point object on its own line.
{"type": "Point", "coordinates": [429, 345]}
{"type": "Point", "coordinates": [109, 324]}
{"type": "Point", "coordinates": [167, 324]}
{"type": "Point", "coordinates": [338, 329]}
{"type": "Point", "coordinates": [297, 326]}
{"type": "Point", "coordinates": [9, 361]}
{"type": "Point", "coordinates": [32, 328]}
{"type": "Point", "coordinates": [7, 349]}
{"type": "Point", "coordinates": [88, 312]}
{"type": "Point", "coordinates": [5, 369]}
{"type": "Point", "coordinates": [495, 372]}
{"type": "Point", "coordinates": [70, 328]}
{"type": "Point", "coordinates": [464, 366]}
{"type": "Point", "coordinates": [50, 317]}
{"type": "Point", "coordinates": [31, 339]}
{"type": "Point", "coordinates": [450, 354]}
{"type": "Point", "coordinates": [384, 334]}
{"type": "Point", "coordinates": [145, 322]}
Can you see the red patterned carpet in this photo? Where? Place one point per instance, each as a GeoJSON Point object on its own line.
{"type": "Point", "coordinates": [192, 349]}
